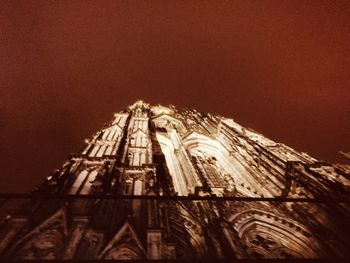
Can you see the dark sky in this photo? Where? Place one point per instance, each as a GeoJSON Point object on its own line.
{"type": "Point", "coordinates": [279, 67]}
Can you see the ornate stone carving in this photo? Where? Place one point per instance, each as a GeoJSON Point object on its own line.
{"type": "Point", "coordinates": [159, 152]}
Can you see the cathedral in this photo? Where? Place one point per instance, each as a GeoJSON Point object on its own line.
{"type": "Point", "coordinates": [157, 183]}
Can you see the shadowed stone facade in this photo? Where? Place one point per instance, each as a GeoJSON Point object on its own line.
{"type": "Point", "coordinates": [164, 154]}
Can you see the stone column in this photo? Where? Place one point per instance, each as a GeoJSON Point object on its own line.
{"type": "Point", "coordinates": [78, 228]}
{"type": "Point", "coordinates": [154, 244]}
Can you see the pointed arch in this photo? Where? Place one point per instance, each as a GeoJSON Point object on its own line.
{"type": "Point", "coordinates": [268, 235]}
{"type": "Point", "coordinates": [124, 245]}
{"type": "Point", "coordinates": [45, 241]}
{"type": "Point", "coordinates": [244, 183]}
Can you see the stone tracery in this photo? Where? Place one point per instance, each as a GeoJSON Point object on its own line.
{"type": "Point", "coordinates": [158, 151]}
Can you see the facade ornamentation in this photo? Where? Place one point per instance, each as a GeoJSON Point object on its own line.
{"type": "Point", "coordinates": [165, 184]}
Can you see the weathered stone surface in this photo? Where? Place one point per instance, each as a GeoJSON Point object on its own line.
{"type": "Point", "coordinates": [159, 151]}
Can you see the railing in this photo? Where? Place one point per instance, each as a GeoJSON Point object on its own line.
{"type": "Point", "coordinates": [243, 227]}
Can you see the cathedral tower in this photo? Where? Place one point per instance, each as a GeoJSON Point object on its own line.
{"type": "Point", "coordinates": [158, 183]}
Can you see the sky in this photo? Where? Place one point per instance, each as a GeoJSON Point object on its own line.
{"type": "Point", "coordinates": [281, 68]}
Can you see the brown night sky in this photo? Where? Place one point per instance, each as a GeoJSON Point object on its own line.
{"type": "Point", "coordinates": [279, 67]}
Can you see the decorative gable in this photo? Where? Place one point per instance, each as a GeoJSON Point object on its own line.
{"type": "Point", "coordinates": [45, 241]}
{"type": "Point", "coordinates": [124, 245]}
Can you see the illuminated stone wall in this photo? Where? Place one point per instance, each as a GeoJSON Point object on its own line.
{"type": "Point", "coordinates": [162, 153]}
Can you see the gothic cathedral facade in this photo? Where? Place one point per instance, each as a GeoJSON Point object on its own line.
{"type": "Point", "coordinates": [158, 183]}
